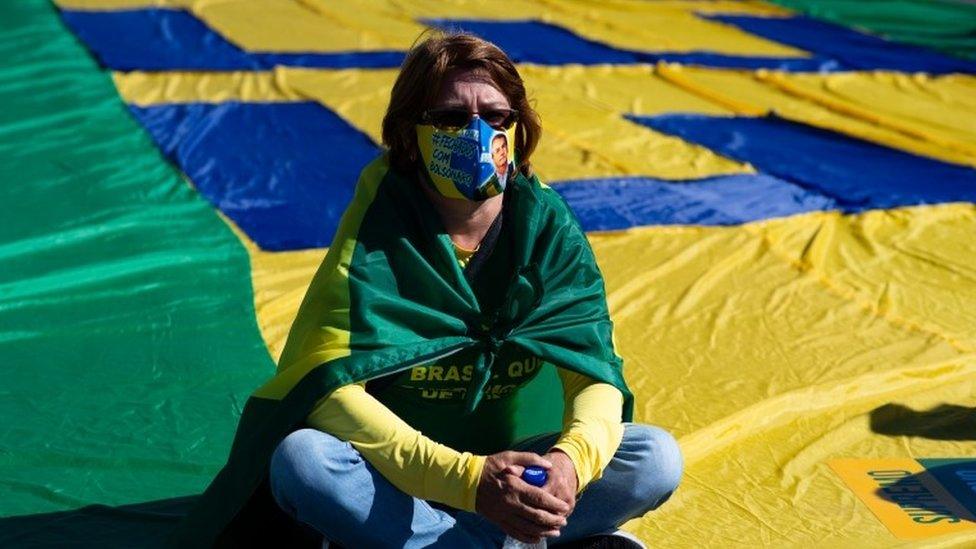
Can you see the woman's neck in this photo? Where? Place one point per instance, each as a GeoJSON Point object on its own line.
{"type": "Point", "coordinates": [466, 221]}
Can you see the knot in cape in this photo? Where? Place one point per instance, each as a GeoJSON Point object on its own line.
{"type": "Point", "coordinates": [524, 293]}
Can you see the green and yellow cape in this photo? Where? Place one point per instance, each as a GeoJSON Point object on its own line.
{"type": "Point", "coordinates": [390, 294]}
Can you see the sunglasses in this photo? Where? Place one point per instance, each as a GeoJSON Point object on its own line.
{"type": "Point", "coordinates": [455, 119]}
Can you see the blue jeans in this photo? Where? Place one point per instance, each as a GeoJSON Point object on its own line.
{"type": "Point", "coordinates": [325, 483]}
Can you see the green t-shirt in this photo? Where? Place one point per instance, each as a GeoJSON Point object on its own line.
{"type": "Point", "coordinates": [522, 398]}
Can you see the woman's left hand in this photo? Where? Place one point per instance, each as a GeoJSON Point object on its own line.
{"type": "Point", "coordinates": [562, 481]}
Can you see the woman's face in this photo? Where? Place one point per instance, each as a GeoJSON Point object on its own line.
{"type": "Point", "coordinates": [471, 90]}
{"type": "Point", "coordinates": [474, 92]}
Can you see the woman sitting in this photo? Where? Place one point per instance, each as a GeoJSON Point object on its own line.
{"type": "Point", "coordinates": [456, 333]}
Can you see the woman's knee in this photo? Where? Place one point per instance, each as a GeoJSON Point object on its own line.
{"type": "Point", "coordinates": [300, 464]}
{"type": "Point", "coordinates": [658, 463]}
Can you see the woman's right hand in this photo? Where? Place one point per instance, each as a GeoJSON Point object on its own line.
{"type": "Point", "coordinates": [524, 512]}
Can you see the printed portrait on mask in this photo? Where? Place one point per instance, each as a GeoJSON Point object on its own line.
{"type": "Point", "coordinates": [499, 155]}
{"type": "Point", "coordinates": [473, 162]}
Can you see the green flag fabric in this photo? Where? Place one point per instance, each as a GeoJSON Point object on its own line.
{"type": "Point", "coordinates": [945, 25]}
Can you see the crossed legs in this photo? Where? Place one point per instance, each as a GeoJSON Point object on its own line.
{"type": "Point", "coordinates": [324, 482]}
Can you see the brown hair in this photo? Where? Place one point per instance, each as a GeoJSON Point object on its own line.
{"type": "Point", "coordinates": [419, 82]}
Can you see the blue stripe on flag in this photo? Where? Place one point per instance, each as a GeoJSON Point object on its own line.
{"type": "Point", "coordinates": [283, 172]}
{"type": "Point", "coordinates": [166, 39]}
{"type": "Point", "coordinates": [856, 174]}
{"type": "Point", "coordinates": [547, 44]}
{"type": "Point", "coordinates": [852, 50]}
{"type": "Point", "coordinates": [620, 203]}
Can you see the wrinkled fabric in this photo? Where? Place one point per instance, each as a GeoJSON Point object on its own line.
{"type": "Point", "coordinates": [945, 25]}
{"type": "Point", "coordinates": [771, 331]}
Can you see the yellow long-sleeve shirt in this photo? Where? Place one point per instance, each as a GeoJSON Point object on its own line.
{"type": "Point", "coordinates": [428, 470]}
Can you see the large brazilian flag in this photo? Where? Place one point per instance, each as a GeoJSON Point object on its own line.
{"type": "Point", "coordinates": [780, 198]}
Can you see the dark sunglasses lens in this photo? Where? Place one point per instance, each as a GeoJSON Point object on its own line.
{"type": "Point", "coordinates": [452, 119]}
{"type": "Point", "coordinates": [501, 120]}
{"type": "Point", "coordinates": [449, 118]}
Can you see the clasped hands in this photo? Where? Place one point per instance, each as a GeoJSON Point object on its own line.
{"type": "Point", "coordinates": [525, 512]}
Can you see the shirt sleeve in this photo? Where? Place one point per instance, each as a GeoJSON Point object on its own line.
{"type": "Point", "coordinates": [592, 429]}
{"type": "Point", "coordinates": [412, 462]}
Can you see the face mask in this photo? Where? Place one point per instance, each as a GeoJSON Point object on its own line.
{"type": "Point", "coordinates": [473, 162]}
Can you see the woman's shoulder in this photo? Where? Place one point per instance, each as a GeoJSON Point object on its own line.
{"type": "Point", "coordinates": [375, 171]}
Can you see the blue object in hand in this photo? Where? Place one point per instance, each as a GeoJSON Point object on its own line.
{"type": "Point", "coordinates": [534, 475]}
